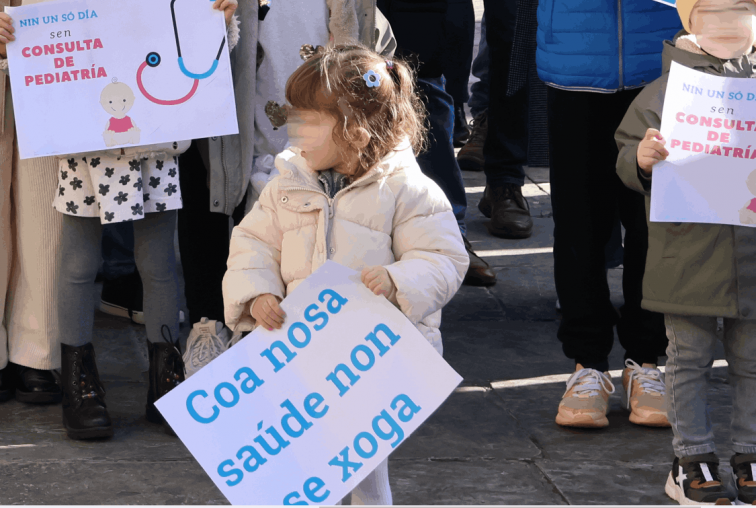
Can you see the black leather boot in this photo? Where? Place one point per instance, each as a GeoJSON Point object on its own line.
{"type": "Point", "coordinates": [35, 386]}
{"type": "Point", "coordinates": [85, 415]}
{"type": "Point", "coordinates": [508, 210]}
{"type": "Point", "coordinates": [166, 372]}
{"type": "Point", "coordinates": [6, 383]}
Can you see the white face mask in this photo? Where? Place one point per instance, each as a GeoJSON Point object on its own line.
{"type": "Point", "coordinates": [724, 28]}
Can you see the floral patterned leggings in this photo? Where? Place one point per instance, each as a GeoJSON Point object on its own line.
{"type": "Point", "coordinates": [80, 257]}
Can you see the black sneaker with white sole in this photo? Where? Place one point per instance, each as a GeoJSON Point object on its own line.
{"type": "Point", "coordinates": [695, 480]}
{"type": "Point", "coordinates": [744, 474]}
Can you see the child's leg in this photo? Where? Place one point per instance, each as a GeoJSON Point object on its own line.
{"type": "Point", "coordinates": [740, 351]}
{"type": "Point", "coordinates": [79, 260]}
{"type": "Point", "coordinates": [690, 355]}
{"type": "Point", "coordinates": [156, 262]}
{"type": "Point", "coordinates": [375, 488]}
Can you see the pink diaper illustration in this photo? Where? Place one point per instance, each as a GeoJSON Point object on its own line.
{"type": "Point", "coordinates": [117, 99]}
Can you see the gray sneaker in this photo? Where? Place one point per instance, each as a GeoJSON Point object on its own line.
{"type": "Point", "coordinates": [207, 340]}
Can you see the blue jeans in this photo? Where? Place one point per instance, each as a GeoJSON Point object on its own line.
{"type": "Point", "coordinates": [690, 354]}
{"type": "Point", "coordinates": [118, 250]}
{"type": "Point", "coordinates": [439, 162]}
{"type": "Point", "coordinates": [479, 99]}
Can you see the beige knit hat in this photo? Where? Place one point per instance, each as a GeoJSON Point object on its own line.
{"type": "Point", "coordinates": [684, 7]}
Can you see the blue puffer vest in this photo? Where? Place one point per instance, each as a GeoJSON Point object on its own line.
{"type": "Point", "coordinates": [602, 45]}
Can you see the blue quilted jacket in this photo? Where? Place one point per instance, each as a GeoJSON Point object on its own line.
{"type": "Point", "coordinates": [602, 45]}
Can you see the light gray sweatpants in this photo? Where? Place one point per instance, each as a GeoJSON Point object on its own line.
{"type": "Point", "coordinates": [155, 259]}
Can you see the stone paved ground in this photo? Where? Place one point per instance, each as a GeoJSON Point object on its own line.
{"type": "Point", "coordinates": [493, 442]}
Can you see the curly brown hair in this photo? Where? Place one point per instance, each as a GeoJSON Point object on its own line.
{"type": "Point", "coordinates": [333, 81]}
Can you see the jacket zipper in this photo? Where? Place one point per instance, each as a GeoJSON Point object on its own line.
{"type": "Point", "coordinates": [619, 36]}
{"type": "Point", "coordinates": [330, 209]}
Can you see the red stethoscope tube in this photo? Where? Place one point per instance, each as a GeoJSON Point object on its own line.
{"type": "Point", "coordinates": [161, 101]}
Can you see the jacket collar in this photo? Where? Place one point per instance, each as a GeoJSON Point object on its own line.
{"type": "Point", "coordinates": [684, 50]}
{"type": "Point", "coordinates": [294, 170]}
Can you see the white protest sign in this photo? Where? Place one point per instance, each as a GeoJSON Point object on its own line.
{"type": "Point", "coordinates": [709, 123]}
{"type": "Point", "coordinates": [304, 414]}
{"type": "Point", "coordinates": [91, 75]}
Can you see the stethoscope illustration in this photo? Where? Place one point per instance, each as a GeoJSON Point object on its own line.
{"type": "Point", "coordinates": [153, 60]}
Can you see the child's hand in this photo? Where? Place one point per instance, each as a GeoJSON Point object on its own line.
{"type": "Point", "coordinates": [227, 6]}
{"type": "Point", "coordinates": [378, 280]}
{"type": "Point", "coordinates": [267, 312]}
{"type": "Point", "coordinates": [6, 33]}
{"type": "Point", "coordinates": [651, 150]}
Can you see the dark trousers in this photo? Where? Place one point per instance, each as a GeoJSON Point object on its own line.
{"type": "Point", "coordinates": [506, 147]}
{"type": "Point", "coordinates": [203, 241]}
{"type": "Point", "coordinates": [460, 43]}
{"type": "Point", "coordinates": [586, 196]}
{"type": "Point", "coordinates": [439, 162]}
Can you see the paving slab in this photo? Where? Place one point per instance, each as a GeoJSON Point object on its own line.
{"type": "Point", "coordinates": [470, 425]}
{"type": "Point", "coordinates": [470, 483]}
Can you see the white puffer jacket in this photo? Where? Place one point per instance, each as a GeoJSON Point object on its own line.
{"type": "Point", "coordinates": [393, 216]}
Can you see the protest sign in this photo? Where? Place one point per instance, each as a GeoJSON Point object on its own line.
{"type": "Point", "coordinates": [92, 75]}
{"type": "Point", "coordinates": [709, 123]}
{"type": "Point", "coordinates": [303, 414]}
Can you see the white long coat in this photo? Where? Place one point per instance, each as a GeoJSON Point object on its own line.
{"type": "Point", "coordinates": [393, 216]}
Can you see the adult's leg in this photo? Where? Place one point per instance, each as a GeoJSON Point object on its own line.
{"type": "Point", "coordinates": [690, 355]}
{"type": "Point", "coordinates": [7, 142]}
{"type": "Point", "coordinates": [506, 146]}
{"type": "Point", "coordinates": [156, 261]}
{"type": "Point", "coordinates": [641, 332]}
{"type": "Point", "coordinates": [118, 250]}
{"type": "Point", "coordinates": [203, 241]}
{"type": "Point", "coordinates": [460, 42]}
{"type": "Point", "coordinates": [479, 90]}
{"type": "Point", "coordinates": [32, 310]}
{"type": "Point", "coordinates": [79, 258]}
{"type": "Point", "coordinates": [584, 202]}
{"type": "Point", "coordinates": [438, 162]}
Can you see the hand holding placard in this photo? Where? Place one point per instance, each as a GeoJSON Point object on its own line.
{"type": "Point", "coordinates": [651, 150]}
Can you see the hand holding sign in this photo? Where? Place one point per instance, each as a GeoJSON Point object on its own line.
{"type": "Point", "coordinates": [6, 32]}
{"type": "Point", "coordinates": [266, 312]}
{"type": "Point", "coordinates": [651, 150]}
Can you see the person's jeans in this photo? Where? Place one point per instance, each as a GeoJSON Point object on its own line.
{"type": "Point", "coordinates": [118, 250]}
{"type": "Point", "coordinates": [439, 162]}
{"type": "Point", "coordinates": [690, 355]}
{"type": "Point", "coordinates": [479, 90]}
{"type": "Point", "coordinates": [506, 147]}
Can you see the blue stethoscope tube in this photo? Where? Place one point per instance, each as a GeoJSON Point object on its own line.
{"type": "Point", "coordinates": [183, 68]}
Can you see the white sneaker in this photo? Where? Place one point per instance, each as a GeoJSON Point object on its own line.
{"type": "Point", "coordinates": [207, 340]}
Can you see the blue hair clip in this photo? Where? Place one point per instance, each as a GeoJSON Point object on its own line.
{"type": "Point", "coordinates": [372, 79]}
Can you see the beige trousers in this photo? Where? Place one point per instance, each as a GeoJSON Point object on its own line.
{"type": "Point", "coordinates": [30, 232]}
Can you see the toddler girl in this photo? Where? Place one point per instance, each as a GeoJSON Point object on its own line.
{"type": "Point", "coordinates": [349, 190]}
{"type": "Point", "coordinates": [138, 184]}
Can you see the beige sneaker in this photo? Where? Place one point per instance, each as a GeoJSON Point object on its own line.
{"type": "Point", "coordinates": [586, 400]}
{"type": "Point", "coordinates": [645, 394]}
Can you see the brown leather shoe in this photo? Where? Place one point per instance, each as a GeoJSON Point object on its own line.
{"type": "Point", "coordinates": [470, 157]}
{"type": "Point", "coordinates": [508, 210]}
{"type": "Point", "coordinates": [478, 273]}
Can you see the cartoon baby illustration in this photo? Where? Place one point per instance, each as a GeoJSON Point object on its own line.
{"type": "Point", "coordinates": [117, 99]}
{"type": "Point", "coordinates": [748, 212]}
